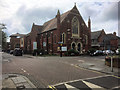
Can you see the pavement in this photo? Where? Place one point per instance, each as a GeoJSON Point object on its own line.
{"type": "Point", "coordinates": [10, 81]}
{"type": "Point", "coordinates": [98, 65]}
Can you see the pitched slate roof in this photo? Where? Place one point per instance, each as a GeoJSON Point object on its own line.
{"type": "Point", "coordinates": [111, 37]}
{"type": "Point", "coordinates": [52, 24]}
{"type": "Point", "coordinates": [16, 35]}
{"type": "Point", "coordinates": [37, 27]}
{"type": "Point", "coordinates": [96, 34]}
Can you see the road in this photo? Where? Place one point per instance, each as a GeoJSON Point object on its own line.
{"type": "Point", "coordinates": [44, 71]}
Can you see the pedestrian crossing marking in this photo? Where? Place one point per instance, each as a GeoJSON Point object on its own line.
{"type": "Point", "coordinates": [69, 87]}
{"type": "Point", "coordinates": [101, 82]}
{"type": "Point", "coordinates": [91, 85]}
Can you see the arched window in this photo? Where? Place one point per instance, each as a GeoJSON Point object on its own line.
{"type": "Point", "coordinates": [75, 27]}
{"type": "Point", "coordinates": [64, 38]}
{"type": "Point", "coordinates": [86, 39]}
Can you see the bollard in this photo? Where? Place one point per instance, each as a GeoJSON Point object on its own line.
{"type": "Point", "coordinates": [111, 64]}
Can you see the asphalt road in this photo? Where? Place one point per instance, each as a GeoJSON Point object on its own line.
{"type": "Point", "coordinates": [47, 70]}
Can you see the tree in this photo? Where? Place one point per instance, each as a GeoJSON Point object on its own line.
{"type": "Point", "coordinates": [3, 37]}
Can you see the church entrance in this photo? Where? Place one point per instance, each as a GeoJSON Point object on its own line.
{"type": "Point", "coordinates": [79, 47]}
{"type": "Point", "coordinates": [73, 46]}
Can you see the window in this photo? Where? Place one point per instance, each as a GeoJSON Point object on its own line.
{"type": "Point", "coordinates": [44, 34]}
{"type": "Point", "coordinates": [75, 27]}
{"type": "Point", "coordinates": [48, 34]}
{"type": "Point", "coordinates": [64, 38]}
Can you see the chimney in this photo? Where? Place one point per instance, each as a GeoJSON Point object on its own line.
{"type": "Point", "coordinates": [114, 33]}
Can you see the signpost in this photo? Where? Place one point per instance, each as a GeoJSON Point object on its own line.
{"type": "Point", "coordinates": [111, 62]}
{"type": "Point", "coordinates": [60, 48]}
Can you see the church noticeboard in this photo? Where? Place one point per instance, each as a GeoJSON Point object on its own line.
{"type": "Point", "coordinates": [64, 48]}
{"type": "Point", "coordinates": [44, 44]}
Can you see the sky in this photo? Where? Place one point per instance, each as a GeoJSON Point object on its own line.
{"type": "Point", "coordinates": [19, 15]}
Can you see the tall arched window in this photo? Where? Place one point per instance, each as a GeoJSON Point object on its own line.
{"type": "Point", "coordinates": [86, 39]}
{"type": "Point", "coordinates": [75, 27]}
{"type": "Point", "coordinates": [64, 38]}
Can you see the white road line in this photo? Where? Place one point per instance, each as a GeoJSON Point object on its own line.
{"type": "Point", "coordinates": [23, 70]}
{"type": "Point", "coordinates": [69, 87]}
{"type": "Point", "coordinates": [81, 79]}
{"type": "Point", "coordinates": [93, 86]}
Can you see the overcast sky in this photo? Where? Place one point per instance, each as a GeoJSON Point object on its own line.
{"type": "Point", "coordinates": [19, 15]}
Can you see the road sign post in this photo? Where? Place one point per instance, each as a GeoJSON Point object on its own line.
{"type": "Point", "coordinates": [60, 48]}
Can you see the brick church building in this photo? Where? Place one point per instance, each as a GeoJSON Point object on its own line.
{"type": "Point", "coordinates": [67, 30]}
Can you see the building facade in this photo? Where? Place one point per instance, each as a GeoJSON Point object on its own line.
{"type": "Point", "coordinates": [67, 30]}
{"type": "Point", "coordinates": [15, 40]}
{"type": "Point", "coordinates": [64, 32]}
{"type": "Point", "coordinates": [102, 41]}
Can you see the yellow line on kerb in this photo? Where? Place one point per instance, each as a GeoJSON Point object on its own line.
{"type": "Point", "coordinates": [87, 69]}
{"type": "Point", "coordinates": [116, 76]}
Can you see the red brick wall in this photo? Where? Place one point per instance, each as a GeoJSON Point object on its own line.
{"type": "Point", "coordinates": [13, 42]}
{"type": "Point", "coordinates": [65, 27]}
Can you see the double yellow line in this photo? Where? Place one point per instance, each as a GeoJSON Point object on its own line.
{"type": "Point", "coordinates": [52, 87]}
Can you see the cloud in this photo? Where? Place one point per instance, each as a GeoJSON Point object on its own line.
{"type": "Point", "coordinates": [19, 15]}
{"type": "Point", "coordinates": [22, 20]}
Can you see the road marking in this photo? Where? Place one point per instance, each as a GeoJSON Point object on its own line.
{"type": "Point", "coordinates": [23, 70]}
{"type": "Point", "coordinates": [52, 87]}
{"type": "Point", "coordinates": [87, 69]}
{"type": "Point", "coordinates": [80, 80]}
{"type": "Point", "coordinates": [82, 61]}
{"type": "Point", "coordinates": [81, 67]}
{"type": "Point", "coordinates": [69, 87]}
{"type": "Point", "coordinates": [93, 86]}
{"type": "Point", "coordinates": [90, 84]}
{"type": "Point", "coordinates": [116, 76]}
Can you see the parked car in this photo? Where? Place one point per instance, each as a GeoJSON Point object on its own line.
{"type": "Point", "coordinates": [108, 52]}
{"type": "Point", "coordinates": [117, 51]}
{"type": "Point", "coordinates": [11, 51]}
{"type": "Point", "coordinates": [97, 53]}
{"type": "Point", "coordinates": [17, 52]}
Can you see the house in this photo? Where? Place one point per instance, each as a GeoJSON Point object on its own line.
{"type": "Point", "coordinates": [96, 38]}
{"type": "Point", "coordinates": [15, 40]}
{"type": "Point", "coordinates": [101, 40]}
{"type": "Point", "coordinates": [110, 41]}
{"type": "Point", "coordinates": [29, 40]}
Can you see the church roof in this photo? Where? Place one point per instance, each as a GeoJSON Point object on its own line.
{"type": "Point", "coordinates": [37, 27]}
{"type": "Point", "coordinates": [52, 24]}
